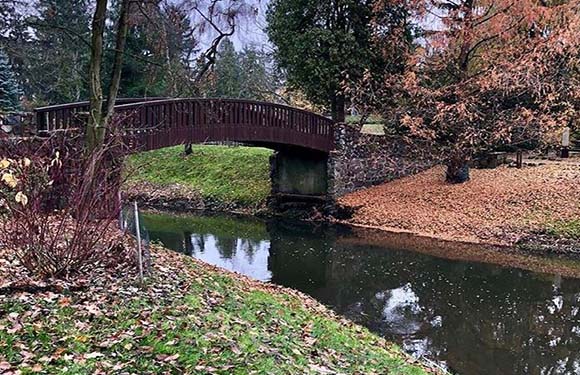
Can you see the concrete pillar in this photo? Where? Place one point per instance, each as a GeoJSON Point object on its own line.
{"type": "Point", "coordinates": [299, 173]}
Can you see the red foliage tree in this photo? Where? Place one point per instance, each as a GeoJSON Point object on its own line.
{"type": "Point", "coordinates": [485, 73]}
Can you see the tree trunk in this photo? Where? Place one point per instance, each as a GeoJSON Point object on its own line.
{"type": "Point", "coordinates": [94, 127]}
{"type": "Point", "coordinates": [338, 111]}
{"type": "Point", "coordinates": [457, 170]}
{"type": "Point", "coordinates": [99, 116]}
{"type": "Point", "coordinates": [122, 30]}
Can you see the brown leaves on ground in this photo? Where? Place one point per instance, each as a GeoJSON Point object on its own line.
{"type": "Point", "coordinates": [497, 206]}
{"type": "Point", "coordinates": [189, 318]}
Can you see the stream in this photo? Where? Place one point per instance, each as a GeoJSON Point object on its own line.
{"type": "Point", "coordinates": [513, 314]}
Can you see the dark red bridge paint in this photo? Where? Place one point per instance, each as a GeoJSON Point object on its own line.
{"type": "Point", "coordinates": [154, 124]}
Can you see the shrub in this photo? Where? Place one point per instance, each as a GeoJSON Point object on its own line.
{"type": "Point", "coordinates": [59, 205]}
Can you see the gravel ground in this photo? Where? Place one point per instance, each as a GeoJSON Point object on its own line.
{"type": "Point", "coordinates": [499, 206]}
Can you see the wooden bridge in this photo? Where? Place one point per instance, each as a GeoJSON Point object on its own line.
{"type": "Point", "coordinates": [157, 122]}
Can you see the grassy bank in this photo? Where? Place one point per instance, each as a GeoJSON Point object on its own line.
{"type": "Point", "coordinates": [189, 318]}
{"type": "Point", "coordinates": [229, 175]}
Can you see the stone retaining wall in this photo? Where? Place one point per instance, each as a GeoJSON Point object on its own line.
{"type": "Point", "coordinates": [363, 160]}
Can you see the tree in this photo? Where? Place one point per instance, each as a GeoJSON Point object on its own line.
{"type": "Point", "coordinates": [213, 13]}
{"type": "Point", "coordinates": [490, 73]}
{"type": "Point", "coordinates": [10, 91]}
{"type": "Point", "coordinates": [247, 74]}
{"type": "Point", "coordinates": [320, 44]}
{"type": "Point", "coordinates": [55, 55]}
{"type": "Point", "coordinates": [100, 114]}
{"type": "Point", "coordinates": [259, 80]}
{"type": "Point", "coordinates": [227, 72]}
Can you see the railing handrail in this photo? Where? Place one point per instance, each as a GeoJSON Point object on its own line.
{"type": "Point", "coordinates": [120, 101]}
{"type": "Point", "coordinates": [231, 100]}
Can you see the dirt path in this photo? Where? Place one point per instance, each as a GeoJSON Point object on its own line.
{"type": "Point", "coordinates": [497, 206]}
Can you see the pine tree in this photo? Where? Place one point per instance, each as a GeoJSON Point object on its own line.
{"type": "Point", "coordinates": [10, 91]}
{"type": "Point", "coordinates": [228, 72]}
{"type": "Point", "coordinates": [57, 62]}
{"type": "Point", "coordinates": [258, 82]}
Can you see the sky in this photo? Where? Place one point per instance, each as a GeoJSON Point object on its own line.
{"type": "Point", "coordinates": [250, 31]}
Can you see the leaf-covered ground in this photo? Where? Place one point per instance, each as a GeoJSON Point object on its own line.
{"type": "Point", "coordinates": [499, 206]}
{"type": "Point", "coordinates": [230, 176]}
{"type": "Point", "coordinates": [188, 318]}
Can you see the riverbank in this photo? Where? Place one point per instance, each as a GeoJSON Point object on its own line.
{"type": "Point", "coordinates": [189, 317]}
{"type": "Point", "coordinates": [536, 208]}
{"type": "Point", "coordinates": [215, 178]}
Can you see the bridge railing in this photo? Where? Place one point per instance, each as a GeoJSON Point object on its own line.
{"type": "Point", "coordinates": [158, 123]}
{"type": "Point", "coordinates": [64, 116]}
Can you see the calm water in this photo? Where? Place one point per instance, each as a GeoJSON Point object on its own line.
{"type": "Point", "coordinates": [470, 317]}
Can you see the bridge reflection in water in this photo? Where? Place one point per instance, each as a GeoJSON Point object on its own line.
{"type": "Point", "coordinates": [474, 318]}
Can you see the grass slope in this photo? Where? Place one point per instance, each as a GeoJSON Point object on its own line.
{"type": "Point", "coordinates": [189, 318]}
{"type": "Point", "coordinates": [237, 175]}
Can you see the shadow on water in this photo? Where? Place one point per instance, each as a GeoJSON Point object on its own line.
{"type": "Point", "coordinates": [517, 315]}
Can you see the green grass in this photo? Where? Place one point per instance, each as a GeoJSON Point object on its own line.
{"type": "Point", "coordinates": [565, 229]}
{"type": "Point", "coordinates": [239, 175]}
{"type": "Point", "coordinates": [197, 321]}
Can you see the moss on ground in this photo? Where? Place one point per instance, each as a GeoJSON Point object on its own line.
{"type": "Point", "coordinates": [189, 318]}
{"type": "Point", "coordinates": [565, 229]}
{"type": "Point", "coordinates": [238, 175]}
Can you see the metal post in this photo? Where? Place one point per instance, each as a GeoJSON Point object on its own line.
{"type": "Point", "coordinates": [139, 251]}
{"type": "Point", "coordinates": [519, 159]}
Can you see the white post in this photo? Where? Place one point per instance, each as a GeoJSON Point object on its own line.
{"type": "Point", "coordinates": [139, 252]}
{"type": "Point", "coordinates": [565, 143]}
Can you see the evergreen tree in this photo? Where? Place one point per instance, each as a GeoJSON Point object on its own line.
{"type": "Point", "coordinates": [246, 75]}
{"type": "Point", "coordinates": [258, 81]}
{"type": "Point", "coordinates": [10, 91]}
{"type": "Point", "coordinates": [56, 64]}
{"type": "Point", "coordinates": [322, 44]}
{"type": "Point", "coordinates": [157, 50]}
{"type": "Point", "coordinates": [228, 72]}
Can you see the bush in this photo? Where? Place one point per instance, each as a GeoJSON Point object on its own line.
{"type": "Point", "coordinates": [58, 205]}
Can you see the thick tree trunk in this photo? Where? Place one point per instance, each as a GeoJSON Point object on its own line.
{"type": "Point", "coordinates": [457, 170]}
{"type": "Point", "coordinates": [338, 111]}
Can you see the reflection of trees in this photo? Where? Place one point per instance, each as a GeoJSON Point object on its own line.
{"type": "Point", "coordinates": [481, 318]}
{"type": "Point", "coordinates": [198, 242]}
{"type": "Point", "coordinates": [227, 246]}
{"type": "Point", "coordinates": [298, 255]}
{"type": "Point", "coordinates": [172, 240]}
{"type": "Point", "coordinates": [250, 248]}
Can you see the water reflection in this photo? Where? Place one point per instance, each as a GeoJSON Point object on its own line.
{"type": "Point", "coordinates": [473, 318]}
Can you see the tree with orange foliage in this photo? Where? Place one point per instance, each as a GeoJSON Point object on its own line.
{"type": "Point", "coordinates": [485, 73]}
